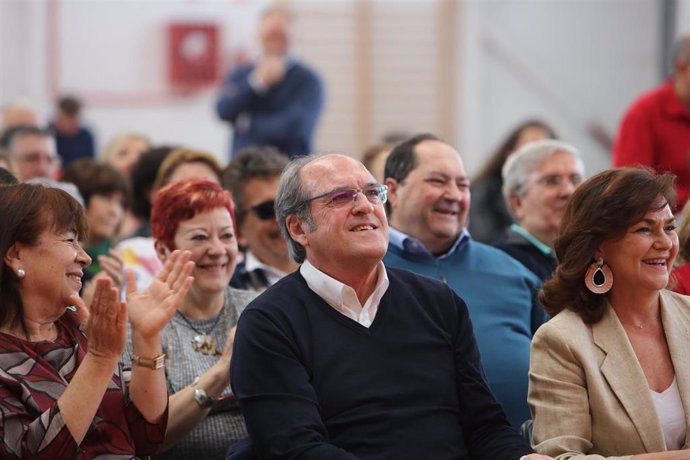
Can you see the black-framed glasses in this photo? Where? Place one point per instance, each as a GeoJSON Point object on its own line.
{"type": "Point", "coordinates": [375, 193]}
{"type": "Point", "coordinates": [264, 210]}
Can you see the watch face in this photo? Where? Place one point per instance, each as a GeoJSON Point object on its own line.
{"type": "Point", "coordinates": [202, 398]}
{"type": "Point", "coordinates": [159, 361]}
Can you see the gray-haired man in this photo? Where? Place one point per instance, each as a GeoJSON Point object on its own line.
{"type": "Point", "coordinates": [347, 359]}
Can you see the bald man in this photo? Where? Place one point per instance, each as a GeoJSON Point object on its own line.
{"type": "Point", "coordinates": [347, 359]}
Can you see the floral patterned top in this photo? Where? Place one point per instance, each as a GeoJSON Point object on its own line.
{"type": "Point", "coordinates": [33, 375]}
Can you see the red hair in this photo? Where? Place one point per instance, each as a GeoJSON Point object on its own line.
{"type": "Point", "coordinates": [182, 200]}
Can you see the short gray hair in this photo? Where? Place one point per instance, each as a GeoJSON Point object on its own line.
{"type": "Point", "coordinates": [526, 160]}
{"type": "Point", "coordinates": [291, 199]}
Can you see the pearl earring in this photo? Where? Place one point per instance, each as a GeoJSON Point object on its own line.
{"type": "Point", "coordinates": [21, 273]}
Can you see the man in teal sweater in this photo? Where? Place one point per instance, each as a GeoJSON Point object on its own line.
{"type": "Point", "coordinates": [429, 200]}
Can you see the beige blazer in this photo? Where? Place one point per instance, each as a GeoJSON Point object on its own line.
{"type": "Point", "coordinates": [587, 392]}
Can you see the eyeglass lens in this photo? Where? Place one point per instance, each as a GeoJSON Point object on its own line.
{"type": "Point", "coordinates": [375, 194]}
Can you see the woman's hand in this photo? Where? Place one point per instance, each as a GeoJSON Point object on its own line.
{"type": "Point", "coordinates": [227, 351]}
{"type": "Point", "coordinates": [150, 310]}
{"type": "Point", "coordinates": [106, 324]}
{"type": "Point", "coordinates": [219, 373]}
{"type": "Point", "coordinates": [113, 266]}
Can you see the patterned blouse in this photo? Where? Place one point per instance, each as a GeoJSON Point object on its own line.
{"type": "Point", "coordinates": [33, 375]}
{"type": "Point", "coordinates": [210, 439]}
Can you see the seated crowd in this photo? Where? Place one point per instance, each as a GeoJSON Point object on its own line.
{"type": "Point", "coordinates": [155, 302]}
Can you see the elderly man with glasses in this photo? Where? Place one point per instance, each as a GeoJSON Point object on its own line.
{"type": "Point", "coordinates": [538, 181]}
{"type": "Point", "coordinates": [349, 359]}
{"type": "Point", "coordinates": [32, 153]}
{"type": "Point", "coordinates": [252, 177]}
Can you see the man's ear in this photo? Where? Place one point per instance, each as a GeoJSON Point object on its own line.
{"type": "Point", "coordinates": [515, 203]}
{"type": "Point", "coordinates": [392, 191]}
{"type": "Point", "coordinates": [297, 229]}
{"type": "Point", "coordinates": [161, 250]}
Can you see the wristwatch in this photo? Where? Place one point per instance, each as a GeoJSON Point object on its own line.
{"type": "Point", "coordinates": [202, 399]}
{"type": "Point", "coordinates": [153, 363]}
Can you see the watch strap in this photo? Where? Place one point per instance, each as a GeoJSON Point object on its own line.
{"type": "Point", "coordinates": [154, 363]}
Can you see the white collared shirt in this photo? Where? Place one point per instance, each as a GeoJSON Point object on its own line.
{"type": "Point", "coordinates": [342, 297]}
{"type": "Point", "coordinates": [251, 263]}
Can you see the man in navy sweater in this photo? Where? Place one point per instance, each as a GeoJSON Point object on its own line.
{"type": "Point", "coordinates": [346, 359]}
{"type": "Point", "coordinates": [277, 100]}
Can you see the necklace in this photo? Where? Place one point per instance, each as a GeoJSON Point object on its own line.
{"type": "Point", "coordinates": [202, 342]}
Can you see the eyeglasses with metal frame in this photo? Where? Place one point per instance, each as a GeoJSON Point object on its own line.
{"type": "Point", "coordinates": [341, 196]}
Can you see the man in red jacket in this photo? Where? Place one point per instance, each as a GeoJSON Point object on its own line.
{"type": "Point", "coordinates": [655, 131]}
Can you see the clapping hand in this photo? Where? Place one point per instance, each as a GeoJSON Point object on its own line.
{"type": "Point", "coordinates": [105, 320]}
{"type": "Point", "coordinates": [151, 309]}
{"type": "Point", "coordinates": [227, 351]}
{"type": "Point", "coordinates": [112, 267]}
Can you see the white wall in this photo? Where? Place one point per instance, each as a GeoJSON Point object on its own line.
{"type": "Point", "coordinates": [113, 54]}
{"type": "Point", "coordinates": [575, 63]}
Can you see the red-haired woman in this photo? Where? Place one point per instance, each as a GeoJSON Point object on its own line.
{"type": "Point", "coordinates": [197, 215]}
{"type": "Point", "coordinates": [62, 394]}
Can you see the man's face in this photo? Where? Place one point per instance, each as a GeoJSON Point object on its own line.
{"type": "Point", "coordinates": [34, 156]}
{"type": "Point", "coordinates": [540, 209]}
{"type": "Point", "coordinates": [67, 125]}
{"type": "Point", "coordinates": [275, 34]}
{"type": "Point", "coordinates": [347, 235]}
{"type": "Point", "coordinates": [259, 230]}
{"type": "Point", "coordinates": [432, 202]}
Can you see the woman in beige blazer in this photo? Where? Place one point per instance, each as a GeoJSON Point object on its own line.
{"type": "Point", "coordinates": [610, 372]}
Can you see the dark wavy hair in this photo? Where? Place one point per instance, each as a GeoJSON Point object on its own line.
{"type": "Point", "coordinates": [92, 178]}
{"type": "Point", "coordinates": [601, 209]}
{"type": "Point", "coordinates": [28, 210]}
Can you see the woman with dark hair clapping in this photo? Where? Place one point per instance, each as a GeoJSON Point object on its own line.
{"type": "Point", "coordinates": [62, 394]}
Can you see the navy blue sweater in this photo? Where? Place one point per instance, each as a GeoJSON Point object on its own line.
{"type": "Point", "coordinates": [314, 384]}
{"type": "Point", "coordinates": [285, 116]}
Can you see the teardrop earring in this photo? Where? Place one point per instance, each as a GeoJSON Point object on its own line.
{"type": "Point", "coordinates": [599, 278]}
{"type": "Point", "coordinates": [21, 273]}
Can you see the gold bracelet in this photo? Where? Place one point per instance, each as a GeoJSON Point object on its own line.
{"type": "Point", "coordinates": [156, 362]}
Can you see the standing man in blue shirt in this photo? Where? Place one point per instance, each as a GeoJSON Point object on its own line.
{"type": "Point", "coordinates": [73, 140]}
{"type": "Point", "coordinates": [429, 201]}
{"type": "Point", "coordinates": [277, 100]}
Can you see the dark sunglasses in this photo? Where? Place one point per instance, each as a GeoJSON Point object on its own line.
{"type": "Point", "coordinates": [264, 210]}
